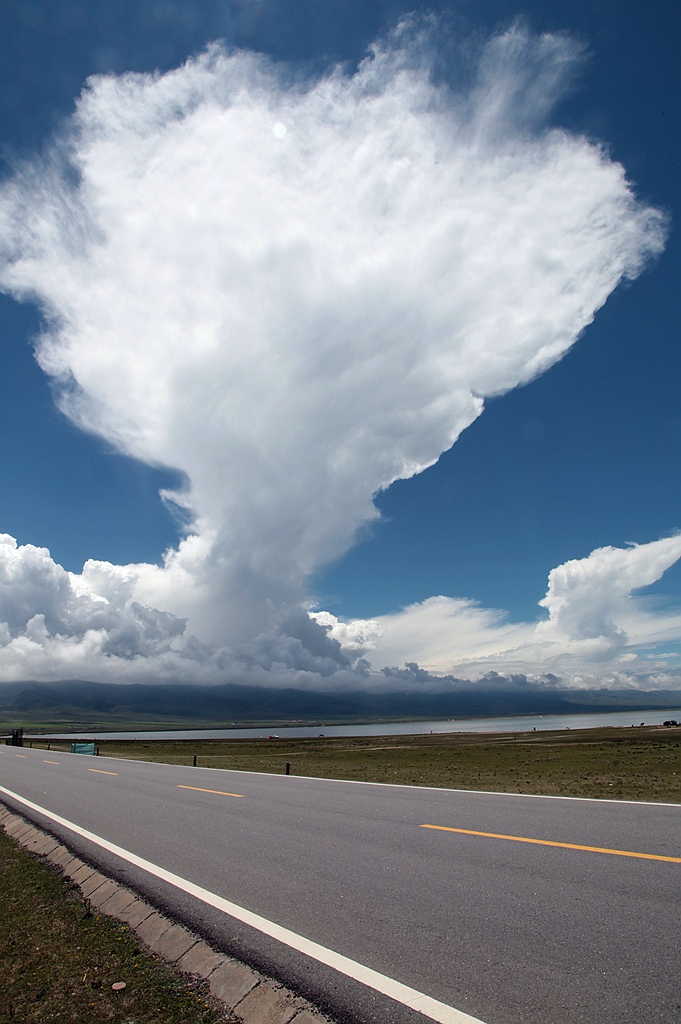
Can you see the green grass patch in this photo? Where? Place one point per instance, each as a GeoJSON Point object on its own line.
{"type": "Point", "coordinates": [642, 763]}
{"type": "Point", "coordinates": [59, 960]}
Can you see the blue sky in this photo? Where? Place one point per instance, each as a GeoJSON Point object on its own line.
{"type": "Point", "coordinates": [583, 457]}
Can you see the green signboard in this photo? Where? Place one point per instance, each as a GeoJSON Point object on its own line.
{"type": "Point", "coordinates": [82, 748]}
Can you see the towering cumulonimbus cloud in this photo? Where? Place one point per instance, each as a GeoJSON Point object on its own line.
{"type": "Point", "coordinates": [296, 291]}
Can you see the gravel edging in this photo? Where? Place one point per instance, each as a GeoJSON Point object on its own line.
{"type": "Point", "coordinates": [250, 996]}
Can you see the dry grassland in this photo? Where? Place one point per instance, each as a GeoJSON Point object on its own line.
{"type": "Point", "coordinates": [642, 763]}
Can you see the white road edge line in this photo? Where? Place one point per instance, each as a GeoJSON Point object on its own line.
{"type": "Point", "coordinates": [415, 1000]}
{"type": "Point", "coordinates": [413, 789]}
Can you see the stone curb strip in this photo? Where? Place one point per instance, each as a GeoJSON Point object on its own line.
{"type": "Point", "coordinates": [250, 996]}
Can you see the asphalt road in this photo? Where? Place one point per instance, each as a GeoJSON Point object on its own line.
{"type": "Point", "coordinates": [510, 932]}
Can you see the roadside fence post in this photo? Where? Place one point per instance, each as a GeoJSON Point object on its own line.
{"type": "Point", "coordinates": [194, 765]}
{"type": "Point", "coordinates": [288, 767]}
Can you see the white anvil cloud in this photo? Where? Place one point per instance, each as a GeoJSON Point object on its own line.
{"type": "Point", "coordinates": [296, 292]}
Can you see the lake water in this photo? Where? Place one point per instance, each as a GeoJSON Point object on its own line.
{"type": "Point", "coordinates": [521, 723]}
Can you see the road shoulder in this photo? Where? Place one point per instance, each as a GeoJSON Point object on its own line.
{"type": "Point", "coordinates": [249, 995]}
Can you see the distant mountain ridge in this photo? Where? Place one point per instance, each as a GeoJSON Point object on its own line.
{"type": "Point", "coordinates": [75, 702]}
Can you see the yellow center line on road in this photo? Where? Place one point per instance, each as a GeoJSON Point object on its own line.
{"type": "Point", "coordinates": [21, 755]}
{"type": "Point", "coordinates": [100, 771]}
{"type": "Point", "coordinates": [549, 842]}
{"type": "Point", "coordinates": [45, 761]}
{"type": "Point", "coordinates": [218, 792]}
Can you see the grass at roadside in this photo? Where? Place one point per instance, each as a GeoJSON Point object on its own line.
{"type": "Point", "coordinates": [642, 763]}
{"type": "Point", "coordinates": [59, 961]}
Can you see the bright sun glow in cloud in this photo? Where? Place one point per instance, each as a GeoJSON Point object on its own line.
{"type": "Point", "coordinates": [295, 293]}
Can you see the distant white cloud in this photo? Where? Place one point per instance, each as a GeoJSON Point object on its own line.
{"type": "Point", "coordinates": [599, 631]}
{"type": "Point", "coordinates": [441, 633]}
{"type": "Point", "coordinates": [55, 625]}
{"type": "Point", "coordinates": [296, 292]}
{"type": "Point", "coordinates": [357, 638]}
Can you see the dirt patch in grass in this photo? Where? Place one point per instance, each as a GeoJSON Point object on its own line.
{"type": "Point", "coordinates": [59, 961]}
{"type": "Point", "coordinates": [642, 763]}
